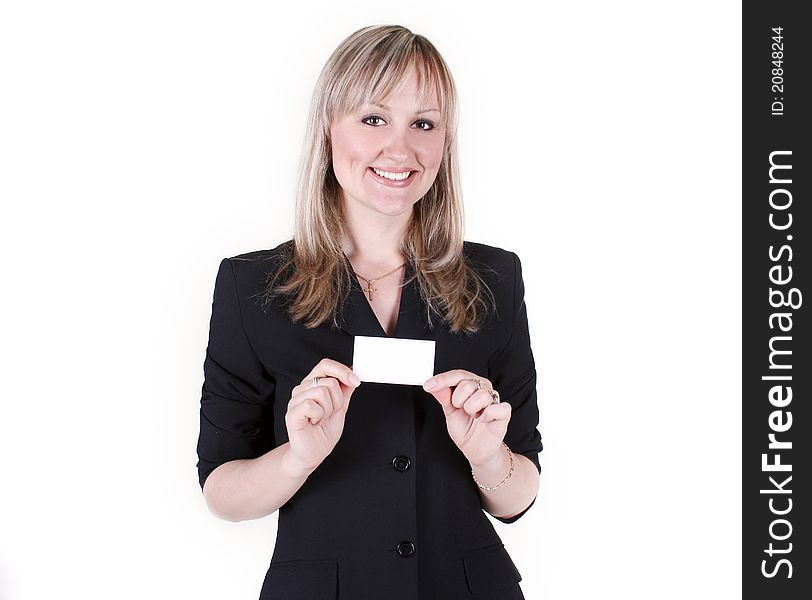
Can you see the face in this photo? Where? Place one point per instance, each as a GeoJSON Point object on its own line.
{"type": "Point", "coordinates": [386, 155]}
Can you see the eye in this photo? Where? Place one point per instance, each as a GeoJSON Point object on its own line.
{"type": "Point", "coordinates": [424, 125]}
{"type": "Point", "coordinates": [373, 120]}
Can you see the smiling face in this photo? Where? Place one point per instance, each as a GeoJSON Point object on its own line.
{"type": "Point", "coordinates": [386, 155]}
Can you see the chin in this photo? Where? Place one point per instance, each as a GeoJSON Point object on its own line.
{"type": "Point", "coordinates": [393, 206]}
{"type": "Point", "coordinates": [394, 211]}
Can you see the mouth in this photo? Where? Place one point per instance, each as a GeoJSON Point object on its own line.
{"type": "Point", "coordinates": [393, 175]}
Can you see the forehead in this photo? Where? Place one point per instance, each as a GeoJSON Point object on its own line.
{"type": "Point", "coordinates": [409, 84]}
{"type": "Point", "coordinates": [408, 95]}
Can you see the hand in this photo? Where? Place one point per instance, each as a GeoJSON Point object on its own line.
{"type": "Point", "coordinates": [315, 415]}
{"type": "Point", "coordinates": [476, 425]}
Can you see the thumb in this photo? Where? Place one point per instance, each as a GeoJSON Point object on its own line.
{"type": "Point", "coordinates": [347, 398]}
{"type": "Point", "coordinates": [349, 391]}
{"type": "Point", "coordinates": [443, 396]}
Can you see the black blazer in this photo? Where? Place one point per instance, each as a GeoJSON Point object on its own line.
{"type": "Point", "coordinates": [393, 511]}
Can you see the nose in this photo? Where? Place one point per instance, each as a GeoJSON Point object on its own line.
{"type": "Point", "coordinates": [397, 146]}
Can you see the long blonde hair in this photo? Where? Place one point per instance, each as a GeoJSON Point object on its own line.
{"type": "Point", "coordinates": [314, 274]}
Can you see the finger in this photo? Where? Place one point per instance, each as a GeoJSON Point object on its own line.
{"type": "Point", "coordinates": [333, 387]}
{"type": "Point", "coordinates": [347, 396]}
{"type": "Point", "coordinates": [477, 402]}
{"type": "Point", "coordinates": [445, 379]}
{"type": "Point", "coordinates": [319, 394]}
{"type": "Point", "coordinates": [304, 413]}
{"type": "Point", "coordinates": [463, 392]}
{"type": "Point", "coordinates": [336, 393]}
{"type": "Point", "coordinates": [339, 392]}
{"type": "Point", "coordinates": [307, 384]}
{"type": "Point", "coordinates": [495, 412]}
{"type": "Point", "coordinates": [443, 396]}
{"type": "Point", "coordinates": [328, 367]}
{"type": "Point", "coordinates": [453, 378]}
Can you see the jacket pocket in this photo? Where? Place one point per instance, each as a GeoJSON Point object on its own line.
{"type": "Point", "coordinates": [489, 570]}
{"type": "Point", "coordinates": [301, 580]}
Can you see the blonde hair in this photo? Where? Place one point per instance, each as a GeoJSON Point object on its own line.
{"type": "Point", "coordinates": [314, 274]}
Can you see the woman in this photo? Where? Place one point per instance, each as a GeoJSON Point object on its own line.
{"type": "Point", "coordinates": [380, 488]}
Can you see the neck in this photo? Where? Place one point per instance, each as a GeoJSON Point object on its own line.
{"type": "Point", "coordinates": [374, 241]}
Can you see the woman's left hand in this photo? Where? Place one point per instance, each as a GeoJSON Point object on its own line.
{"type": "Point", "coordinates": [475, 423]}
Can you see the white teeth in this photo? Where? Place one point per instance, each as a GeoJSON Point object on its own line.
{"type": "Point", "coordinates": [392, 176]}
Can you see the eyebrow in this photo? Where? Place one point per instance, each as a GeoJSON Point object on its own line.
{"type": "Point", "coordinates": [419, 112]}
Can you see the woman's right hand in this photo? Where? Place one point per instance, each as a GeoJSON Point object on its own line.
{"type": "Point", "coordinates": [315, 416]}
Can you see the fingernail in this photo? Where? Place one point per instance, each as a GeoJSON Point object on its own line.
{"type": "Point", "coordinates": [354, 379]}
{"type": "Point", "coordinates": [430, 385]}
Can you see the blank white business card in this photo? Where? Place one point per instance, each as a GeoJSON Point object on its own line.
{"type": "Point", "coordinates": [393, 360]}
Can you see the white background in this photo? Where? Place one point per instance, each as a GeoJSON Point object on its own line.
{"type": "Point", "coordinates": [141, 142]}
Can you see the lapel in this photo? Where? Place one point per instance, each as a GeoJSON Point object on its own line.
{"type": "Point", "coordinates": [357, 317]}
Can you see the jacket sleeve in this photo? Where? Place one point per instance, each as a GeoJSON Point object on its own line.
{"type": "Point", "coordinates": [236, 400]}
{"type": "Point", "coordinates": [512, 371]}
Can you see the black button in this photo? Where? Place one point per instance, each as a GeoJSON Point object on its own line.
{"type": "Point", "coordinates": [401, 463]}
{"type": "Point", "coordinates": [406, 549]}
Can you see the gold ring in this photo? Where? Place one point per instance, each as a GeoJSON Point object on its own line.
{"type": "Point", "coordinates": [316, 381]}
{"type": "Point", "coordinates": [494, 397]}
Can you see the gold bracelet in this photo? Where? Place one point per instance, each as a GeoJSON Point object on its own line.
{"type": "Point", "coordinates": [501, 483]}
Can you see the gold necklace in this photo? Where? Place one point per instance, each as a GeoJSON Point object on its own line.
{"type": "Point", "coordinates": [369, 289]}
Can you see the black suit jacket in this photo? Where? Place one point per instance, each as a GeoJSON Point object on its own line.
{"type": "Point", "coordinates": [393, 511]}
